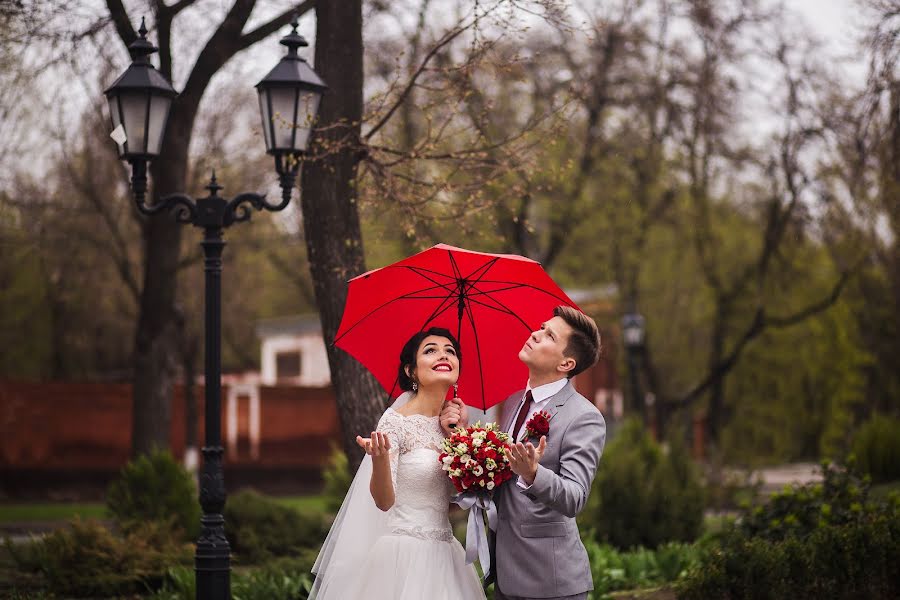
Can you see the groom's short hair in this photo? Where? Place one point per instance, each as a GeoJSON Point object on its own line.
{"type": "Point", "coordinates": [584, 343]}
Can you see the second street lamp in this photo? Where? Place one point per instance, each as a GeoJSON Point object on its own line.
{"type": "Point", "coordinates": [633, 338]}
{"type": "Point", "coordinates": [139, 104]}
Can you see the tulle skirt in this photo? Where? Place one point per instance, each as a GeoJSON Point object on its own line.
{"type": "Point", "coordinates": [403, 567]}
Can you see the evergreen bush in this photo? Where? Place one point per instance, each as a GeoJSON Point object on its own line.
{"type": "Point", "coordinates": [643, 495]}
{"type": "Point", "coordinates": [155, 487]}
{"type": "Point", "coordinates": [259, 529]}
{"type": "Point", "coordinates": [337, 478]}
{"type": "Point", "coordinates": [86, 559]}
{"type": "Point", "coordinates": [876, 447]}
{"type": "Point", "coordinates": [825, 540]}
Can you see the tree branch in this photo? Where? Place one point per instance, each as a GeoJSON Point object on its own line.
{"type": "Point", "coordinates": [251, 37]}
{"type": "Point", "coordinates": [123, 23]}
{"type": "Point", "coordinates": [448, 37]}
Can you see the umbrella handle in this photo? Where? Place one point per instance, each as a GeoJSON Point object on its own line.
{"type": "Point", "coordinates": [455, 395]}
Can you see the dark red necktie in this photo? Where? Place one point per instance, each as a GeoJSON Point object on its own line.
{"type": "Point", "coordinates": [526, 407]}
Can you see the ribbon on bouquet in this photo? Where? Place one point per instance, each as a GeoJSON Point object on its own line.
{"type": "Point", "coordinates": [476, 536]}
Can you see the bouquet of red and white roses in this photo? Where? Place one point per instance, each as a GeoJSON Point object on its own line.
{"type": "Point", "coordinates": [474, 458]}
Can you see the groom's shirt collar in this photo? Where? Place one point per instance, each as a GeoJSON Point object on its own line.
{"type": "Point", "coordinates": [542, 393]}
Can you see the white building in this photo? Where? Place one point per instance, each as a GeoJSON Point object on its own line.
{"type": "Point", "coordinates": [293, 352]}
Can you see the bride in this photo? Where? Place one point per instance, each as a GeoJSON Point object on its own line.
{"type": "Point", "coordinates": [393, 541]}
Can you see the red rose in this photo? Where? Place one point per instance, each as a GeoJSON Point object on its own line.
{"type": "Point", "coordinates": [538, 425]}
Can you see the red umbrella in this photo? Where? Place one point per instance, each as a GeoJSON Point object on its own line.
{"type": "Point", "coordinates": [491, 302]}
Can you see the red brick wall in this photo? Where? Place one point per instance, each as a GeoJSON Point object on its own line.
{"type": "Point", "coordinates": [62, 426]}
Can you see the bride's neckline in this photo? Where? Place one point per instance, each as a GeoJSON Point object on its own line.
{"type": "Point", "coordinates": [413, 415]}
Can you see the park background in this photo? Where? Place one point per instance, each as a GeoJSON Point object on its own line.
{"type": "Point", "coordinates": [728, 170]}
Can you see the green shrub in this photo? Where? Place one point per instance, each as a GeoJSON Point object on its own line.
{"type": "Point", "coordinates": [825, 540]}
{"type": "Point", "coordinates": [613, 570]}
{"type": "Point", "coordinates": [258, 528]}
{"type": "Point", "coordinates": [643, 495]}
{"type": "Point", "coordinates": [857, 560]}
{"type": "Point", "coordinates": [337, 478]}
{"type": "Point", "coordinates": [155, 487]}
{"type": "Point", "coordinates": [876, 446]}
{"type": "Point", "coordinates": [86, 559]}
{"type": "Point", "coordinates": [841, 498]}
{"type": "Point", "coordinates": [279, 580]}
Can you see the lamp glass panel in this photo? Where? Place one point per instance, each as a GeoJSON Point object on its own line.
{"type": "Point", "coordinates": [134, 107]}
{"type": "Point", "coordinates": [283, 100]}
{"type": "Point", "coordinates": [266, 117]}
{"type": "Point", "coordinates": [307, 110]}
{"type": "Point", "coordinates": [116, 118]}
{"type": "Point", "coordinates": [159, 113]}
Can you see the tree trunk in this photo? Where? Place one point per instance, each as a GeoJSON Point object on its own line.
{"type": "Point", "coordinates": [330, 216]}
{"type": "Point", "coordinates": [155, 340]}
{"type": "Point", "coordinates": [714, 418]}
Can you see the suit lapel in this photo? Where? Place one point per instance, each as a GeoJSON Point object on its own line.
{"type": "Point", "coordinates": [559, 399]}
{"type": "Point", "coordinates": [509, 409]}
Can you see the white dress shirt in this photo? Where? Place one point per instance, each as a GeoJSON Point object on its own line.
{"type": "Point", "coordinates": [540, 395]}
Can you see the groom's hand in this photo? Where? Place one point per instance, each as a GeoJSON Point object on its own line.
{"type": "Point", "coordinates": [453, 414]}
{"type": "Point", "coordinates": [524, 458]}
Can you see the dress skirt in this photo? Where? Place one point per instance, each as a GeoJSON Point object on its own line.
{"type": "Point", "coordinates": [404, 567]}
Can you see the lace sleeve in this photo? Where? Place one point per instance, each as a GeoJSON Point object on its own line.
{"type": "Point", "coordinates": [391, 423]}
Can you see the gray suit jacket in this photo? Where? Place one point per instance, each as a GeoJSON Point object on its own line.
{"type": "Point", "coordinates": [539, 553]}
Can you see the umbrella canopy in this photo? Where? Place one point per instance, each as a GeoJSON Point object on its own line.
{"type": "Point", "coordinates": [491, 302]}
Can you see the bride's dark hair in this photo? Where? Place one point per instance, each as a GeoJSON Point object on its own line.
{"type": "Point", "coordinates": [408, 354]}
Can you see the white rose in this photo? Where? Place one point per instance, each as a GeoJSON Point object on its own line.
{"type": "Point", "coordinates": [477, 471]}
{"type": "Point", "coordinates": [477, 442]}
{"type": "Point", "coordinates": [490, 464]}
{"type": "Point", "coordinates": [465, 458]}
{"type": "Point", "coordinates": [448, 460]}
{"type": "Point", "coordinates": [461, 447]}
{"type": "Point", "coordinates": [490, 484]}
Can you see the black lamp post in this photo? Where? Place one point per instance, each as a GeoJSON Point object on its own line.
{"type": "Point", "coordinates": [633, 338]}
{"type": "Point", "coordinates": [139, 103]}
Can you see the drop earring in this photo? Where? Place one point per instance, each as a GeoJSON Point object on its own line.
{"type": "Point", "coordinates": [415, 387]}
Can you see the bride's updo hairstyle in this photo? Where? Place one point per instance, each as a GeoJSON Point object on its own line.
{"type": "Point", "coordinates": [411, 349]}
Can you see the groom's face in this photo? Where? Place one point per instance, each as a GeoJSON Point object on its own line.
{"type": "Point", "coordinates": [544, 349]}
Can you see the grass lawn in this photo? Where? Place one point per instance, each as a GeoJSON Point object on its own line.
{"type": "Point", "coordinates": [303, 503]}
{"type": "Point", "coordinates": [31, 512]}
{"type": "Point", "coordinates": [36, 512]}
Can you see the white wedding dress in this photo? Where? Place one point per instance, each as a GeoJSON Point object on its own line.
{"type": "Point", "coordinates": [409, 553]}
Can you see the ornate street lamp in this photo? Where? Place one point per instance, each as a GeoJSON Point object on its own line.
{"type": "Point", "coordinates": [139, 103]}
{"type": "Point", "coordinates": [288, 102]}
{"type": "Point", "coordinates": [633, 338]}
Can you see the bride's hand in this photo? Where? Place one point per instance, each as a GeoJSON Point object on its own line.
{"type": "Point", "coordinates": [454, 414]}
{"type": "Point", "coordinates": [377, 445]}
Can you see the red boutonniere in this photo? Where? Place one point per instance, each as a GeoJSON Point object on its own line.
{"type": "Point", "coordinates": [538, 425]}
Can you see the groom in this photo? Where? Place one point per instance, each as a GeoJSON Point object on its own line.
{"type": "Point", "coordinates": [539, 553]}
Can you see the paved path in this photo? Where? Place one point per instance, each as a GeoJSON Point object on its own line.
{"type": "Point", "coordinates": [773, 479]}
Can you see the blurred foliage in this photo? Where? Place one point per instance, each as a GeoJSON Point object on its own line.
{"type": "Point", "coordinates": [259, 529]}
{"type": "Point", "coordinates": [88, 560]}
{"type": "Point", "coordinates": [155, 488]}
{"type": "Point", "coordinates": [643, 495]}
{"type": "Point", "coordinates": [337, 478]}
{"type": "Point", "coordinates": [876, 448]}
{"type": "Point", "coordinates": [614, 570]}
{"type": "Point", "coordinates": [827, 540]}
